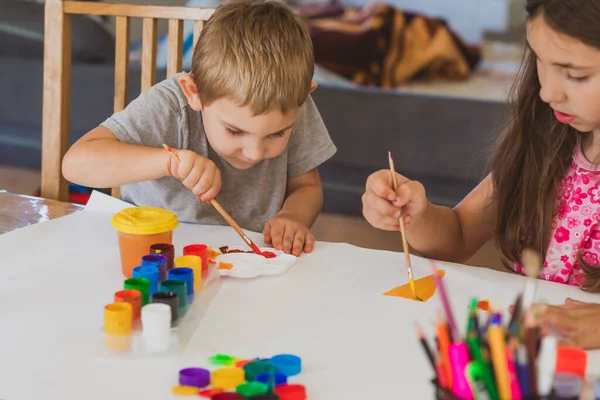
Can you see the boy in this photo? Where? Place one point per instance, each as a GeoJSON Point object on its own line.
{"type": "Point", "coordinates": [242, 123]}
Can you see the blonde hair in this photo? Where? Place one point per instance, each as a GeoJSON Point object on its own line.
{"type": "Point", "coordinates": [257, 52]}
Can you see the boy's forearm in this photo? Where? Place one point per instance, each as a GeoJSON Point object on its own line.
{"type": "Point", "coordinates": [304, 203]}
{"type": "Point", "coordinates": [105, 163]}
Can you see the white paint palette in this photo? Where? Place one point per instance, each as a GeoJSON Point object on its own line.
{"type": "Point", "coordinates": [251, 265]}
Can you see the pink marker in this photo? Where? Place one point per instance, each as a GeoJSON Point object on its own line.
{"type": "Point", "coordinates": [515, 389]}
{"type": "Point", "coordinates": [459, 358]}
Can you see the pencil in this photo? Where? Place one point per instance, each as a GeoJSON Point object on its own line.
{"type": "Point", "coordinates": [425, 345]}
{"type": "Point", "coordinates": [411, 279]}
{"type": "Point", "coordinates": [223, 213]}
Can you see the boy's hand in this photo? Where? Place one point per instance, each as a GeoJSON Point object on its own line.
{"type": "Point", "coordinates": [381, 205]}
{"type": "Point", "coordinates": [284, 232]}
{"type": "Point", "coordinates": [197, 173]}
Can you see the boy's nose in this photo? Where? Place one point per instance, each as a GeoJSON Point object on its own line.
{"type": "Point", "coordinates": [254, 154]}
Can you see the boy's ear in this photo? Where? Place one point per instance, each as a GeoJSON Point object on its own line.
{"type": "Point", "coordinates": [313, 86]}
{"type": "Point", "coordinates": [190, 91]}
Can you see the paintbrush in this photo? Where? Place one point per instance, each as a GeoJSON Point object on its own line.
{"type": "Point", "coordinates": [531, 265]}
{"type": "Point", "coordinates": [224, 213]}
{"type": "Point", "coordinates": [411, 279]}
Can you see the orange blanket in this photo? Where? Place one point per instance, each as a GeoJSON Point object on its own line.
{"type": "Point", "coordinates": [383, 46]}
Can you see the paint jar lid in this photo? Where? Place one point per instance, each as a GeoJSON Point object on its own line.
{"type": "Point", "coordinates": [154, 259]}
{"type": "Point", "coordinates": [287, 364]}
{"type": "Point", "coordinates": [571, 359]}
{"type": "Point", "coordinates": [143, 271]}
{"type": "Point", "coordinates": [266, 396]}
{"type": "Point", "coordinates": [118, 318]}
{"type": "Point", "coordinates": [256, 368]}
{"type": "Point", "coordinates": [183, 390]}
{"type": "Point", "coordinates": [144, 220]}
{"type": "Point", "coordinates": [198, 377]}
{"type": "Point", "coordinates": [228, 396]}
{"type": "Point", "coordinates": [250, 389]}
{"type": "Point", "coordinates": [291, 392]}
{"type": "Point", "coordinates": [269, 378]}
{"type": "Point", "coordinates": [567, 385]}
{"type": "Point", "coordinates": [228, 378]}
{"type": "Point", "coordinates": [156, 319]}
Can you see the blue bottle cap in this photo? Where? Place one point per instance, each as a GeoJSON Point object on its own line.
{"type": "Point", "coordinates": [184, 274]}
{"type": "Point", "coordinates": [287, 364]}
{"type": "Point", "coordinates": [149, 272]}
{"type": "Point", "coordinates": [270, 378]}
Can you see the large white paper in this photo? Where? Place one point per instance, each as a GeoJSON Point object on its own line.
{"type": "Point", "coordinates": [328, 309]}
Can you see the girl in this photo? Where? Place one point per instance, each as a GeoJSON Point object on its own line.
{"type": "Point", "coordinates": [543, 191]}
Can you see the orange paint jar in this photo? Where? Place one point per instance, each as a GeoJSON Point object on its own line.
{"type": "Point", "coordinates": [138, 228]}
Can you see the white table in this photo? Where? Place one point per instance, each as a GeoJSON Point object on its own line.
{"type": "Point", "coordinates": [329, 309]}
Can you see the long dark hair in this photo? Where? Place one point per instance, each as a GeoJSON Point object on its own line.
{"type": "Point", "coordinates": [535, 152]}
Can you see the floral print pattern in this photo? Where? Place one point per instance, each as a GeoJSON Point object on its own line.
{"type": "Point", "coordinates": [576, 224]}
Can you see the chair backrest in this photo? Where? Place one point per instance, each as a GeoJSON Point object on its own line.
{"type": "Point", "coordinates": [57, 69]}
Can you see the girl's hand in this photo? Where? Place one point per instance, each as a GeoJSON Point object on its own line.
{"type": "Point", "coordinates": [577, 321]}
{"type": "Point", "coordinates": [382, 206]}
{"type": "Point", "coordinates": [197, 173]}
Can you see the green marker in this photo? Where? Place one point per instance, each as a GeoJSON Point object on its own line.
{"type": "Point", "coordinates": [479, 370]}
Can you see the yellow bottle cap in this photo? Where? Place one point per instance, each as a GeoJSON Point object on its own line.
{"type": "Point", "coordinates": [118, 318]}
{"type": "Point", "coordinates": [184, 390]}
{"type": "Point", "coordinates": [144, 220]}
{"type": "Point", "coordinates": [228, 378]}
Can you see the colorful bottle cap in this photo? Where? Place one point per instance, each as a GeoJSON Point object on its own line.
{"type": "Point", "coordinates": [269, 378]}
{"type": "Point", "coordinates": [198, 377]}
{"type": "Point", "coordinates": [140, 284]}
{"type": "Point", "coordinates": [256, 368]}
{"type": "Point", "coordinates": [228, 396]}
{"type": "Point", "coordinates": [185, 274]}
{"type": "Point", "coordinates": [133, 297]}
{"type": "Point", "coordinates": [156, 327]}
{"type": "Point", "coordinates": [144, 220]}
{"type": "Point", "coordinates": [252, 389]}
{"type": "Point", "coordinates": [167, 250]}
{"type": "Point", "coordinates": [177, 286]}
{"type": "Point", "coordinates": [200, 250]}
{"type": "Point", "coordinates": [266, 396]}
{"type": "Point", "coordinates": [209, 393]}
{"type": "Point", "coordinates": [118, 318]}
{"type": "Point", "coordinates": [241, 363]}
{"type": "Point", "coordinates": [287, 364]}
{"type": "Point", "coordinates": [228, 378]}
{"type": "Point", "coordinates": [149, 272]}
{"type": "Point", "coordinates": [159, 261]}
{"type": "Point", "coordinates": [571, 359]}
{"type": "Point", "coordinates": [184, 390]}
{"type": "Point", "coordinates": [195, 264]}
{"type": "Point", "coordinates": [169, 298]}
{"type": "Point", "coordinates": [566, 385]}
{"type": "Point", "coordinates": [291, 392]}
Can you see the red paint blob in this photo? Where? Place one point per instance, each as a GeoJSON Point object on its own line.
{"type": "Point", "coordinates": [266, 254]}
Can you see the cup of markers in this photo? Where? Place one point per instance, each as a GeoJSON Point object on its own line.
{"type": "Point", "coordinates": [495, 360]}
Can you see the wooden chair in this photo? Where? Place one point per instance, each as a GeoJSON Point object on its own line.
{"type": "Point", "coordinates": [57, 69]}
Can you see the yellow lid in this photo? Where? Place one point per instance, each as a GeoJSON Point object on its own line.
{"type": "Point", "coordinates": [228, 378]}
{"type": "Point", "coordinates": [118, 318]}
{"type": "Point", "coordinates": [184, 390]}
{"type": "Point", "coordinates": [144, 220]}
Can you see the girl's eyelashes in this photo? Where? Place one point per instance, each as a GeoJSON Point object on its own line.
{"type": "Point", "coordinates": [577, 79]}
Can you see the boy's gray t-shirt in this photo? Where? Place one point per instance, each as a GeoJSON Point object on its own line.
{"type": "Point", "coordinates": [161, 114]}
